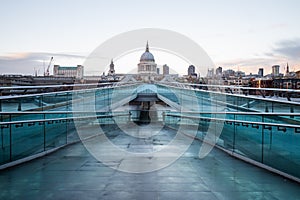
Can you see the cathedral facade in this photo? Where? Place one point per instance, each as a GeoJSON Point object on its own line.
{"type": "Point", "coordinates": [147, 65]}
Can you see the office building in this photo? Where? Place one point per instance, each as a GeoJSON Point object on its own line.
{"type": "Point", "coordinates": [275, 70]}
{"type": "Point", "coordinates": [261, 72]}
{"type": "Point", "coordinates": [191, 70]}
{"type": "Point", "coordinates": [166, 70]}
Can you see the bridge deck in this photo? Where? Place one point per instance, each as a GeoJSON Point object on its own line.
{"type": "Point", "coordinates": [72, 173]}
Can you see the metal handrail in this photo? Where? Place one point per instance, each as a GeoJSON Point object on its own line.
{"type": "Point", "coordinates": [244, 113]}
{"type": "Point", "coordinates": [59, 86]}
{"type": "Point", "coordinates": [58, 92]}
{"type": "Point", "coordinates": [235, 87]}
{"type": "Point", "coordinates": [189, 112]}
{"type": "Point", "coordinates": [51, 112]}
{"type": "Point", "coordinates": [237, 121]}
{"type": "Point", "coordinates": [167, 83]}
{"type": "Point", "coordinates": [237, 95]}
{"type": "Point", "coordinates": [62, 118]}
{"type": "Point", "coordinates": [51, 86]}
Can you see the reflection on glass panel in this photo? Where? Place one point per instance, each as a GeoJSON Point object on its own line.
{"type": "Point", "coordinates": [27, 139]}
{"type": "Point", "coordinates": [4, 144]}
{"type": "Point", "coordinates": [281, 150]}
{"type": "Point", "coordinates": [55, 133]}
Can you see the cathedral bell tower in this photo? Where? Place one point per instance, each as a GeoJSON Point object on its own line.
{"type": "Point", "coordinates": [111, 68]}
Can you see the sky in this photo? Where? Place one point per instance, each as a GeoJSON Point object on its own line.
{"type": "Point", "coordinates": [236, 34]}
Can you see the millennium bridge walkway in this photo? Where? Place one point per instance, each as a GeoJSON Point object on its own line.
{"type": "Point", "coordinates": [149, 141]}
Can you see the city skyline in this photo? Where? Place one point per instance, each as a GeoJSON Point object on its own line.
{"type": "Point", "coordinates": [236, 35]}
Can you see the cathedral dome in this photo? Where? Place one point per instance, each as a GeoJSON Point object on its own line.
{"type": "Point", "coordinates": [147, 56]}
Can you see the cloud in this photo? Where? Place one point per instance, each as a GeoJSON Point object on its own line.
{"type": "Point", "coordinates": [283, 51]}
{"type": "Point", "coordinates": [251, 65]}
{"type": "Point", "coordinates": [279, 26]}
{"type": "Point", "coordinates": [27, 63]}
{"type": "Point", "coordinates": [256, 61]}
{"type": "Point", "coordinates": [289, 48]}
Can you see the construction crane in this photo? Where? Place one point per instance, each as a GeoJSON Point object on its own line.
{"type": "Point", "coordinates": [47, 73]}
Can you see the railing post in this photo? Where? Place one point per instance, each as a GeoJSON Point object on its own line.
{"type": "Point", "coordinates": [271, 139]}
{"type": "Point", "coordinates": [108, 100]}
{"type": "Point", "coordinates": [129, 116]}
{"type": "Point", "coordinates": [10, 140]}
{"type": "Point", "coordinates": [215, 116]}
{"type": "Point", "coordinates": [44, 129]}
{"type": "Point", "coordinates": [2, 134]}
{"type": "Point", "coordinates": [272, 106]}
{"type": "Point", "coordinates": [67, 128]}
{"type": "Point", "coordinates": [20, 104]}
{"type": "Point", "coordinates": [262, 139]}
{"type": "Point", "coordinates": [266, 109]}
{"type": "Point", "coordinates": [234, 132]}
{"type": "Point", "coordinates": [292, 111]}
{"type": "Point", "coordinates": [42, 100]}
{"type": "Point", "coordinates": [68, 101]}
